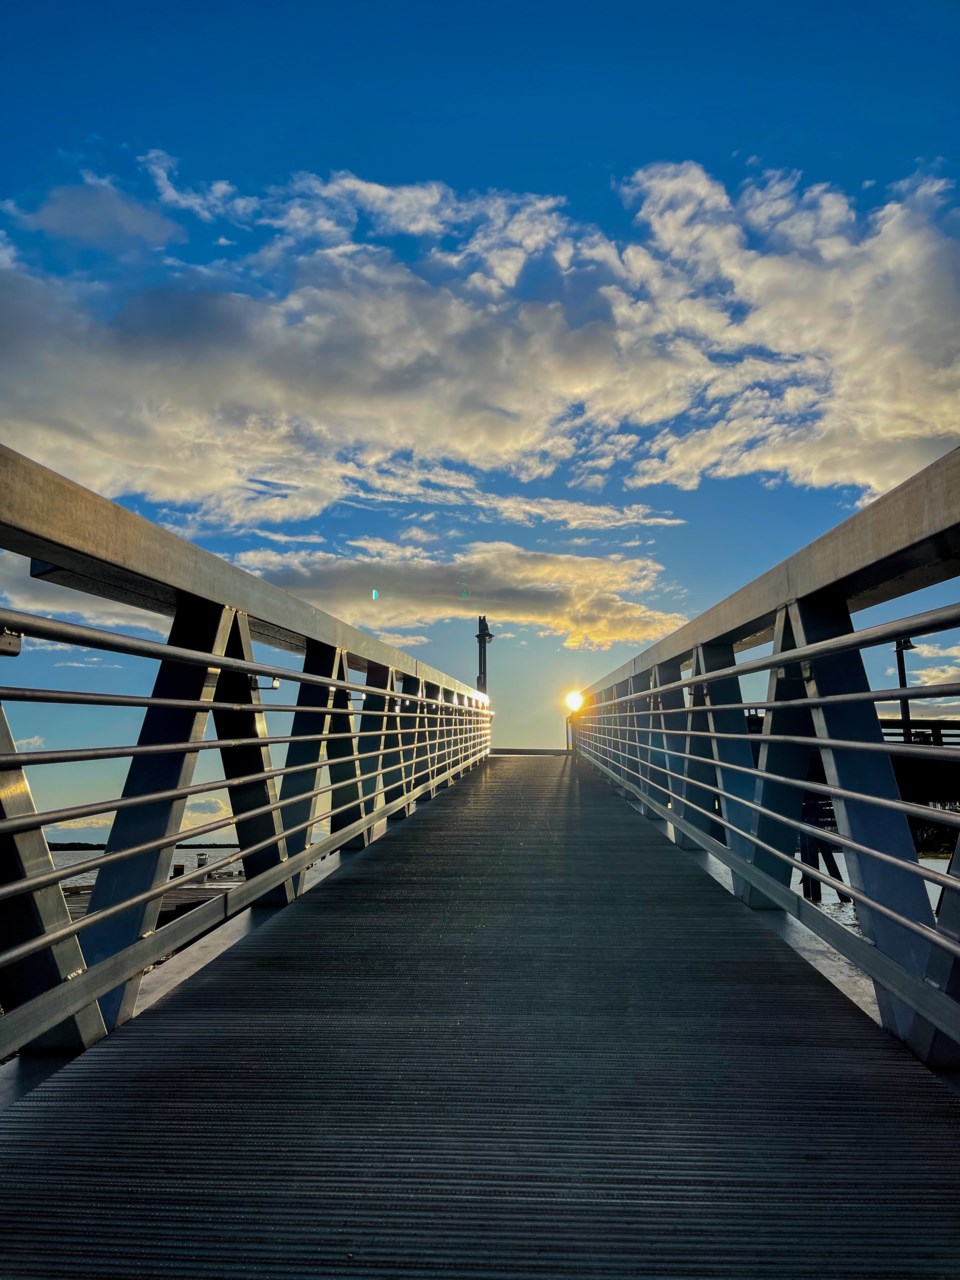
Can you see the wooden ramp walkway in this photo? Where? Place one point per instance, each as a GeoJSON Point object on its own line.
{"type": "Point", "coordinates": [521, 1036]}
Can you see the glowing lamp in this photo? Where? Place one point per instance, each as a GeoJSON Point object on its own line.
{"type": "Point", "coordinates": [574, 701]}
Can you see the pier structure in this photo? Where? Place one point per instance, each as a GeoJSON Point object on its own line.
{"type": "Point", "coordinates": [457, 1010]}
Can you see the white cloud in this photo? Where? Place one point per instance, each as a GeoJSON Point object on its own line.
{"type": "Point", "coordinates": [88, 663]}
{"type": "Point", "coordinates": [571, 515]}
{"type": "Point", "coordinates": [199, 811]}
{"type": "Point", "coordinates": [207, 808]}
{"type": "Point", "coordinates": [414, 533]}
{"type": "Point", "coordinates": [589, 600]}
{"type": "Point", "coordinates": [777, 333]}
{"type": "Point", "coordinates": [48, 646]}
{"type": "Point", "coordinates": [937, 651]}
{"type": "Point", "coordinates": [946, 674]}
{"type": "Point", "coordinates": [856, 322]}
{"type": "Point", "coordinates": [29, 744]}
{"type": "Point", "coordinates": [401, 641]}
{"type": "Point", "coordinates": [79, 824]}
{"type": "Point", "coordinates": [311, 539]}
{"type": "Point", "coordinates": [217, 199]}
{"type": "Point", "coordinates": [8, 254]}
{"type": "Point", "coordinates": [99, 214]}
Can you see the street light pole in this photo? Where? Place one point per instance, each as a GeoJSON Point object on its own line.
{"type": "Point", "coordinates": [484, 637]}
{"type": "Point", "coordinates": [900, 648]}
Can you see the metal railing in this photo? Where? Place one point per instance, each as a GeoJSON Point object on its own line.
{"type": "Point", "coordinates": [364, 734]}
{"type": "Point", "coordinates": [771, 786]}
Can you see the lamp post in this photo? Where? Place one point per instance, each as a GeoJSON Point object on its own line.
{"type": "Point", "coordinates": [574, 701]}
{"type": "Point", "coordinates": [902, 645]}
{"type": "Point", "coordinates": [484, 637]}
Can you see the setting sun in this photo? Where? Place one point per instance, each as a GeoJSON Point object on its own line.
{"type": "Point", "coordinates": [574, 700]}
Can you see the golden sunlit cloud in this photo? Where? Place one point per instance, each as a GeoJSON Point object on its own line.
{"type": "Point", "coordinates": [589, 601]}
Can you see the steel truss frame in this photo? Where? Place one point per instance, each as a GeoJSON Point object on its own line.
{"type": "Point", "coordinates": [373, 733]}
{"type": "Point", "coordinates": [673, 729]}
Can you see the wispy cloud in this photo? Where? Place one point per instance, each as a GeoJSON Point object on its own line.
{"type": "Point", "coordinates": [945, 674]}
{"type": "Point", "coordinates": [572, 515]}
{"type": "Point", "coordinates": [401, 641]}
{"type": "Point", "coordinates": [92, 664]}
{"type": "Point", "coordinates": [939, 672]}
{"type": "Point", "coordinates": [80, 824]}
{"type": "Point", "coordinates": [591, 601]}
{"type": "Point", "coordinates": [218, 199]}
{"type": "Point", "coordinates": [414, 533]}
{"type": "Point", "coordinates": [301, 539]}
{"type": "Point", "coordinates": [936, 650]}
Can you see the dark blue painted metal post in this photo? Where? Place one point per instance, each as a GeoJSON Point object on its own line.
{"type": "Point", "coordinates": [204, 626]}
{"type": "Point", "coordinates": [312, 718]}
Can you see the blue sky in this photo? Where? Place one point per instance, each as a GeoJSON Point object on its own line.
{"type": "Point", "coordinates": [599, 310]}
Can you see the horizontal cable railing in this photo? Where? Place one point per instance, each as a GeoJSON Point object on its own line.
{"type": "Point", "coordinates": [818, 770]}
{"type": "Point", "coordinates": [364, 735]}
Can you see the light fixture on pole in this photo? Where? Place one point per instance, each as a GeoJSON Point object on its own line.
{"type": "Point", "coordinates": [900, 648]}
{"type": "Point", "coordinates": [484, 637]}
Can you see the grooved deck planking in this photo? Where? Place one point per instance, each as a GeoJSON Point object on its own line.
{"type": "Point", "coordinates": [521, 1036]}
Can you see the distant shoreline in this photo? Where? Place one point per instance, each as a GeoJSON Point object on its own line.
{"type": "Point", "coordinates": [79, 846]}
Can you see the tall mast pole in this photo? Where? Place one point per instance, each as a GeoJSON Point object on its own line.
{"type": "Point", "coordinates": [484, 636]}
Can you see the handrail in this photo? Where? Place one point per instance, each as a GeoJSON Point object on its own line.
{"type": "Point", "coordinates": [672, 728]}
{"type": "Point", "coordinates": [360, 750]}
{"type": "Point", "coordinates": [905, 540]}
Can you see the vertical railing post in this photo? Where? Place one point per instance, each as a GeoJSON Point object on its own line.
{"type": "Point", "coordinates": [444, 736]}
{"type": "Point", "coordinates": [643, 719]}
{"type": "Point", "coordinates": [621, 721]}
{"type": "Point", "coordinates": [239, 761]}
{"type": "Point", "coordinates": [726, 751]}
{"type": "Point", "coordinates": [631, 735]}
{"type": "Point", "coordinates": [398, 770]}
{"type": "Point", "coordinates": [783, 759]}
{"type": "Point", "coordinates": [413, 729]}
{"type": "Point", "coordinates": [375, 736]}
{"type": "Point", "coordinates": [204, 626]}
{"type": "Point", "coordinates": [313, 717]}
{"type": "Point", "coordinates": [944, 969]}
{"type": "Point", "coordinates": [659, 782]}
{"type": "Point", "coordinates": [672, 724]}
{"type": "Point", "coordinates": [22, 854]}
{"type": "Point", "coordinates": [813, 620]}
{"type": "Point", "coordinates": [343, 768]}
{"type": "Point", "coordinates": [419, 753]}
{"type": "Point", "coordinates": [431, 725]}
{"type": "Point", "coordinates": [699, 768]}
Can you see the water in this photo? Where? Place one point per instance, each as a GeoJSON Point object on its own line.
{"type": "Point", "coordinates": [845, 912]}
{"type": "Point", "coordinates": [188, 858]}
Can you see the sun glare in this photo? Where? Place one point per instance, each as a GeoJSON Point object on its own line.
{"type": "Point", "coordinates": [574, 700]}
